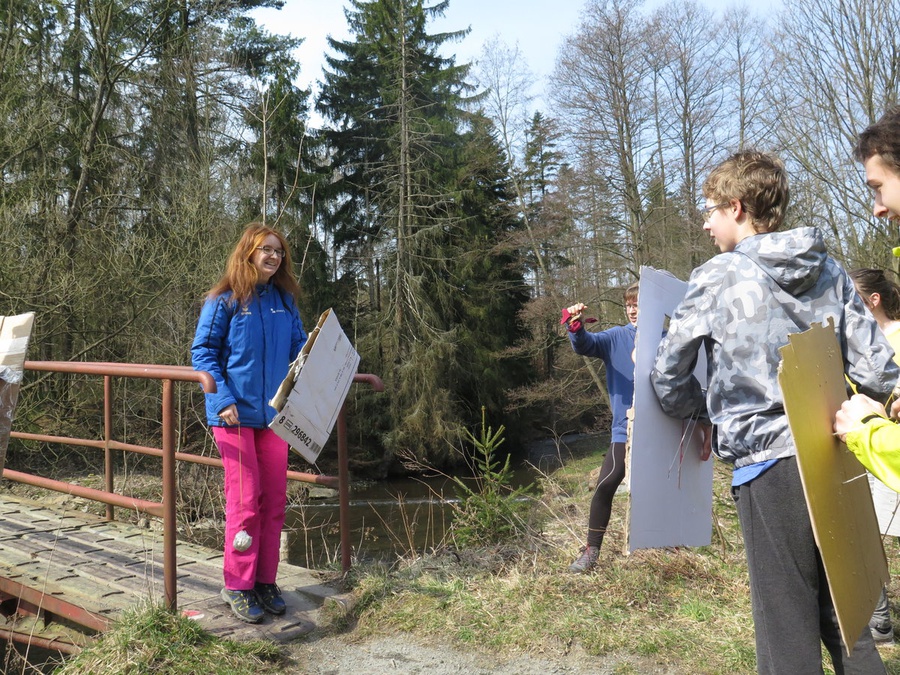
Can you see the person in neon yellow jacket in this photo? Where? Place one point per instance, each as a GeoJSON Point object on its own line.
{"type": "Point", "coordinates": [881, 296]}
{"type": "Point", "coordinates": [863, 423]}
{"type": "Point", "coordinates": [872, 437]}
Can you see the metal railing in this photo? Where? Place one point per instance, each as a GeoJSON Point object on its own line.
{"type": "Point", "coordinates": [166, 509]}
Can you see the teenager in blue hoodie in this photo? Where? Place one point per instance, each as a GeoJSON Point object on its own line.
{"type": "Point", "coordinates": [615, 347]}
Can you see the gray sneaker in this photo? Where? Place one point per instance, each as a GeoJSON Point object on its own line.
{"type": "Point", "coordinates": [883, 635]}
{"type": "Point", "coordinates": [586, 560]}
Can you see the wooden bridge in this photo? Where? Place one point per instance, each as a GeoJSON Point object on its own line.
{"type": "Point", "coordinates": [67, 575]}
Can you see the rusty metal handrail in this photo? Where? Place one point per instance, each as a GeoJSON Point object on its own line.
{"type": "Point", "coordinates": [166, 509]}
{"type": "Point", "coordinates": [317, 478]}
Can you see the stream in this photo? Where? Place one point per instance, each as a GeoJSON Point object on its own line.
{"type": "Point", "coordinates": [387, 519]}
{"type": "Point", "coordinates": [394, 517]}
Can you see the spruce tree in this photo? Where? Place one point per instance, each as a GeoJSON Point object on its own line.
{"type": "Point", "coordinates": [400, 219]}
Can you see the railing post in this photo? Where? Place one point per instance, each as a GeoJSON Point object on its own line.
{"type": "Point", "coordinates": [169, 492]}
{"type": "Point", "coordinates": [343, 489]}
{"type": "Point", "coordinates": [107, 437]}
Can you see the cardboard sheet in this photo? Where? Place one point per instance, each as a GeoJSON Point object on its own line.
{"type": "Point", "coordinates": [310, 397]}
{"type": "Point", "coordinates": [671, 488]}
{"type": "Point", "coordinates": [812, 382]}
{"type": "Point", "coordinates": [15, 332]}
{"type": "Point", "coordinates": [887, 507]}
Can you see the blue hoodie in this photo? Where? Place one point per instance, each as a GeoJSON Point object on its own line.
{"type": "Point", "coordinates": [614, 346]}
{"type": "Point", "coordinates": [247, 350]}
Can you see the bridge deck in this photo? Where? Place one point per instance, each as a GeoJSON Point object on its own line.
{"type": "Point", "coordinates": [106, 567]}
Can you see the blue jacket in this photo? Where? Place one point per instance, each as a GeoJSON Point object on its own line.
{"type": "Point", "coordinates": [247, 350]}
{"type": "Point", "coordinates": [614, 346]}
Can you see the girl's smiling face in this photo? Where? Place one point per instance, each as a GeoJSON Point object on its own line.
{"type": "Point", "coordinates": [267, 263]}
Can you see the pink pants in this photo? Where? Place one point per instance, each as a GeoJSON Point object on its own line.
{"type": "Point", "coordinates": [255, 496]}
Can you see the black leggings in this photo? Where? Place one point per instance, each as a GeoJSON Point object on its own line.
{"type": "Point", "coordinates": [611, 475]}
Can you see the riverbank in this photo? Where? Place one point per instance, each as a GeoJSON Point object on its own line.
{"type": "Point", "coordinates": [674, 611]}
{"type": "Point", "coordinates": [515, 608]}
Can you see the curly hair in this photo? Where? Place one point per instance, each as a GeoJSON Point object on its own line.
{"type": "Point", "coordinates": [758, 181]}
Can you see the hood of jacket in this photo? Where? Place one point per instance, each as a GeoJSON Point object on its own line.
{"type": "Point", "coordinates": [793, 259]}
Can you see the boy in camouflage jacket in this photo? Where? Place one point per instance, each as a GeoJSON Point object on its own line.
{"type": "Point", "coordinates": [740, 307]}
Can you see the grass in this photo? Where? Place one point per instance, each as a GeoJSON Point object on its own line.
{"type": "Point", "coordinates": [682, 610]}
{"type": "Point", "coordinates": [677, 610]}
{"type": "Point", "coordinates": [150, 639]}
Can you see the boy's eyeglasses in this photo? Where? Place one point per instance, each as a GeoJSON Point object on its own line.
{"type": "Point", "coordinates": [268, 250]}
{"type": "Point", "coordinates": [706, 211]}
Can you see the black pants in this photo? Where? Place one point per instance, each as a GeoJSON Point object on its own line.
{"type": "Point", "coordinates": [792, 606]}
{"type": "Point", "coordinates": [612, 472]}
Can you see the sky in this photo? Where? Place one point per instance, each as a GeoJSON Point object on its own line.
{"type": "Point", "coordinates": [538, 27]}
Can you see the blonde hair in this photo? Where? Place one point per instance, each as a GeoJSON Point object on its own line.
{"type": "Point", "coordinates": [241, 276]}
{"type": "Point", "coordinates": [758, 181]}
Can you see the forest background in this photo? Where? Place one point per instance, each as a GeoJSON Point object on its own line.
{"type": "Point", "coordinates": [443, 215]}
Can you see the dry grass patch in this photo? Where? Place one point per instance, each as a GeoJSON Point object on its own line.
{"type": "Point", "coordinates": [683, 610]}
{"type": "Point", "coordinates": [150, 639]}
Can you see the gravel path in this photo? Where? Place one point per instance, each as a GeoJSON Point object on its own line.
{"type": "Point", "coordinates": [396, 654]}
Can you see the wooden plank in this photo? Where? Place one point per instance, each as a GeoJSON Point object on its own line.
{"type": "Point", "coordinates": [106, 568]}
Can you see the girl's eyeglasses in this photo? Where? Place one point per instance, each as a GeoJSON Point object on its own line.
{"type": "Point", "coordinates": [268, 250]}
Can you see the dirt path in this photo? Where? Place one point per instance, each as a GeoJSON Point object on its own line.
{"type": "Point", "coordinates": [408, 655]}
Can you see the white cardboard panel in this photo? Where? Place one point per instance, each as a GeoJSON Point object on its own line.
{"type": "Point", "coordinates": [671, 488]}
{"type": "Point", "coordinates": [887, 507]}
{"type": "Point", "coordinates": [314, 390]}
{"type": "Point", "coordinates": [15, 331]}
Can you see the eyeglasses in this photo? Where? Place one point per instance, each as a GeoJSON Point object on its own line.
{"type": "Point", "coordinates": [268, 250]}
{"type": "Point", "coordinates": [707, 211]}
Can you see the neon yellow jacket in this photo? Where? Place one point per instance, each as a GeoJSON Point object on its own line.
{"type": "Point", "coordinates": [877, 446]}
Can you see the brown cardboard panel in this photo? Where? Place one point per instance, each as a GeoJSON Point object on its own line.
{"type": "Point", "coordinates": [812, 381]}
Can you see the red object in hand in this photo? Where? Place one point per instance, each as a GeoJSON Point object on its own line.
{"type": "Point", "coordinates": [574, 325]}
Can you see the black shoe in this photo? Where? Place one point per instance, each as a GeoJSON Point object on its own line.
{"type": "Point", "coordinates": [244, 605]}
{"type": "Point", "coordinates": [269, 596]}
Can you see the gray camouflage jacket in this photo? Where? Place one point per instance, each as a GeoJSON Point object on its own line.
{"type": "Point", "coordinates": [741, 306]}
